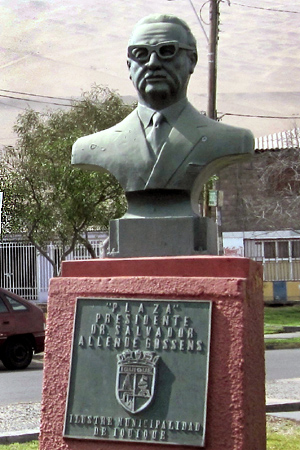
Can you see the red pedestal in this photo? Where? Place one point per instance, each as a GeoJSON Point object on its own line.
{"type": "Point", "coordinates": [236, 390]}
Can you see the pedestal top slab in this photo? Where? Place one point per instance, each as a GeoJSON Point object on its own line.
{"type": "Point", "coordinates": [189, 266]}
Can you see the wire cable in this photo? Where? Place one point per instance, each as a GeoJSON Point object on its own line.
{"type": "Point", "coordinates": [32, 100]}
{"type": "Point", "coordinates": [259, 116]}
{"type": "Point", "coordinates": [265, 9]}
{"type": "Point", "coordinates": [198, 18]}
{"type": "Point", "coordinates": [35, 95]}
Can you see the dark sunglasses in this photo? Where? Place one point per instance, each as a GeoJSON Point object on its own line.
{"type": "Point", "coordinates": [164, 50]}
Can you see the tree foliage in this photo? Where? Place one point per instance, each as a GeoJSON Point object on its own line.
{"type": "Point", "coordinates": [45, 198]}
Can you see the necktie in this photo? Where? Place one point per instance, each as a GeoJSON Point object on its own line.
{"type": "Point", "coordinates": [156, 136]}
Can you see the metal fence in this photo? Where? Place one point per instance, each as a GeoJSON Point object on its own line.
{"type": "Point", "coordinates": [280, 258]}
{"type": "Point", "coordinates": [18, 262]}
{"type": "Point", "coordinates": [27, 273]}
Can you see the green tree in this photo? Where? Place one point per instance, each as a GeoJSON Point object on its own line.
{"type": "Point", "coordinates": [45, 198]}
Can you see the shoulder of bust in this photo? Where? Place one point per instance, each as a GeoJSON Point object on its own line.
{"type": "Point", "coordinates": [100, 138]}
{"type": "Point", "coordinates": [191, 111]}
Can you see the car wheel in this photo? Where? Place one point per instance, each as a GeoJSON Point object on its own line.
{"type": "Point", "coordinates": [17, 353]}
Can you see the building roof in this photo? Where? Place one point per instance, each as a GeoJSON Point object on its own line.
{"type": "Point", "coordinates": [278, 141]}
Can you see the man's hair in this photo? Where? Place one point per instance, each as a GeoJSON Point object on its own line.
{"type": "Point", "coordinates": [168, 18]}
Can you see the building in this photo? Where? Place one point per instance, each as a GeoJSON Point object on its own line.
{"type": "Point", "coordinates": [263, 224]}
{"type": "Point", "coordinates": [279, 253]}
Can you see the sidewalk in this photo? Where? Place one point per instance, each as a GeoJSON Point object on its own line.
{"type": "Point", "coordinates": [295, 334]}
{"type": "Point", "coordinates": [19, 422]}
{"type": "Point", "coordinates": [283, 396]}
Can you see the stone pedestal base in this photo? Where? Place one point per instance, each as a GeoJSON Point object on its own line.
{"type": "Point", "coordinates": [236, 395]}
{"type": "Point", "coordinates": [162, 236]}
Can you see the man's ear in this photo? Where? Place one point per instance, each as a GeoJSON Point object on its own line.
{"type": "Point", "coordinates": [129, 65]}
{"type": "Point", "coordinates": [193, 59]}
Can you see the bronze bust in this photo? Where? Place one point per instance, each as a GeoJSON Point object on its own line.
{"type": "Point", "coordinates": [163, 178]}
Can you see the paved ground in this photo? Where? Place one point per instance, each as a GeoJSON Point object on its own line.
{"type": "Point", "coordinates": [283, 395]}
{"type": "Point", "coordinates": [283, 398]}
{"type": "Point", "coordinates": [296, 334]}
{"type": "Point", "coordinates": [20, 422]}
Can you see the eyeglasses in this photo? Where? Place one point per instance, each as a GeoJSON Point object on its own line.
{"type": "Point", "coordinates": [164, 50]}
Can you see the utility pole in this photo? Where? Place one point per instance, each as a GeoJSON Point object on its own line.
{"type": "Point", "coordinates": [212, 59]}
{"type": "Point", "coordinates": [212, 89]}
{"type": "Point", "coordinates": [1, 200]}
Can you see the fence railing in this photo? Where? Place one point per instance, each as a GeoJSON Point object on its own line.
{"type": "Point", "coordinates": [27, 273]}
{"type": "Point", "coordinates": [280, 258]}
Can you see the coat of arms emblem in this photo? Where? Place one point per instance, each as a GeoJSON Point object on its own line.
{"type": "Point", "coordinates": [136, 376]}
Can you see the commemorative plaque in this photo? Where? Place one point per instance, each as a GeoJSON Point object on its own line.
{"type": "Point", "coordinates": [139, 371]}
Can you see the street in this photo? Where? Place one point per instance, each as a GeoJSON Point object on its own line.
{"type": "Point", "coordinates": [282, 364]}
{"type": "Point", "coordinates": [26, 385]}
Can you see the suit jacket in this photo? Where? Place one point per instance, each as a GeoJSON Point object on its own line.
{"type": "Point", "coordinates": [197, 147]}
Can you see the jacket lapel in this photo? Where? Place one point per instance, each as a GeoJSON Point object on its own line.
{"type": "Point", "coordinates": [182, 139]}
{"type": "Point", "coordinates": [131, 141]}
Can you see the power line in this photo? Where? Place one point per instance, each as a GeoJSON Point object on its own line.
{"type": "Point", "coordinates": [35, 95]}
{"type": "Point", "coordinates": [65, 98]}
{"type": "Point", "coordinates": [32, 100]}
{"type": "Point", "coordinates": [259, 116]}
{"type": "Point", "coordinates": [198, 18]}
{"type": "Point", "coordinates": [220, 118]}
{"type": "Point", "coordinates": [265, 9]}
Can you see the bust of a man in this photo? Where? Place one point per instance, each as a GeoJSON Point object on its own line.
{"type": "Point", "coordinates": [189, 148]}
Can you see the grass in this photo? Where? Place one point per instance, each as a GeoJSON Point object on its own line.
{"type": "Point", "coordinates": [33, 445]}
{"type": "Point", "coordinates": [277, 344]}
{"type": "Point", "coordinates": [282, 434]}
{"type": "Point", "coordinates": [276, 318]}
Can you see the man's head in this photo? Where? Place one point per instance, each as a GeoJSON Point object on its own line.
{"type": "Point", "coordinates": [162, 55]}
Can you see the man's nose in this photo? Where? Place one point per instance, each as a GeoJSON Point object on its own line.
{"type": "Point", "coordinates": [154, 60]}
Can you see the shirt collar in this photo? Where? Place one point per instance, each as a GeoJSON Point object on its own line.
{"type": "Point", "coordinates": [171, 113]}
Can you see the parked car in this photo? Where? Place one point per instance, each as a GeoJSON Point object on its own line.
{"type": "Point", "coordinates": [22, 330]}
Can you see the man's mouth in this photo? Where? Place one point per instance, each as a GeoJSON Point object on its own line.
{"type": "Point", "coordinates": [155, 77]}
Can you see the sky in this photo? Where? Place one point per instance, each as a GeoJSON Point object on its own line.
{"type": "Point", "coordinates": [60, 49]}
